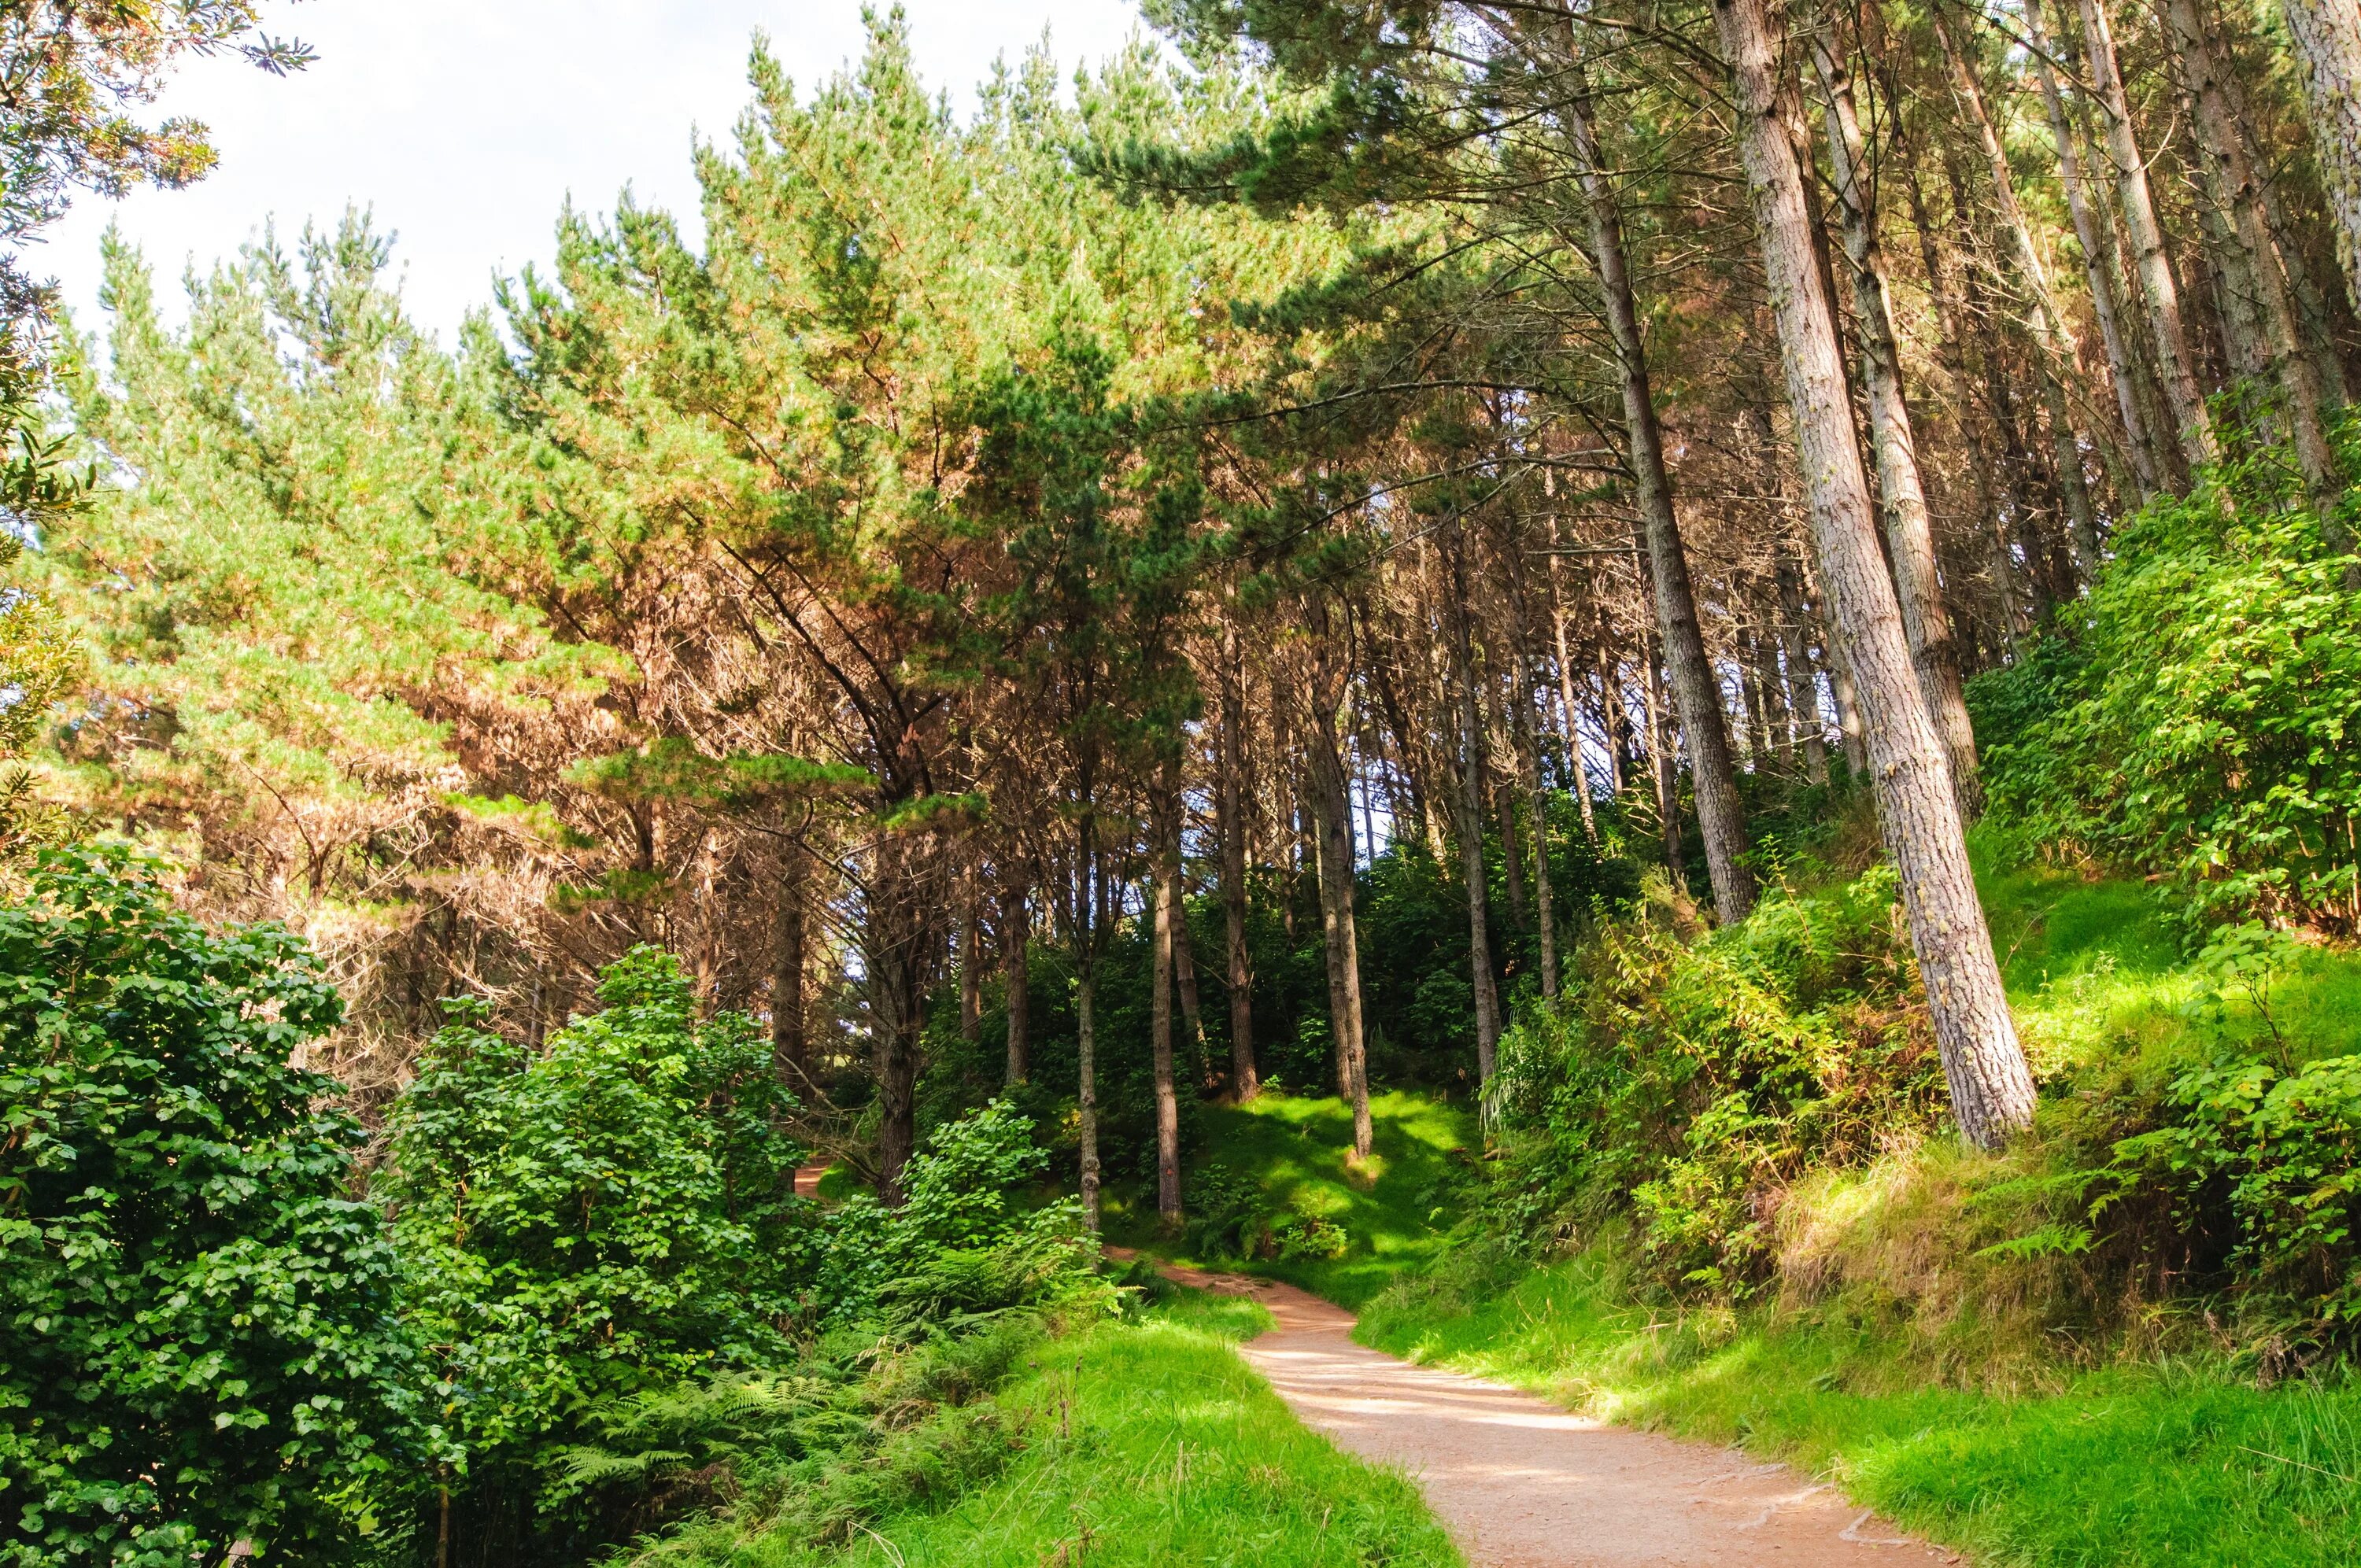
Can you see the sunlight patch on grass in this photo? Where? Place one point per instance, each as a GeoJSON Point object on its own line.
{"type": "Point", "coordinates": [1299, 1151]}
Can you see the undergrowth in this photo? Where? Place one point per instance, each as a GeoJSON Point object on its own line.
{"type": "Point", "coordinates": [1141, 1441]}
{"type": "Point", "coordinates": [1759, 1112]}
{"type": "Point", "coordinates": [1278, 1193]}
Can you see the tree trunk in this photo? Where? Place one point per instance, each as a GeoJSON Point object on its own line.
{"type": "Point", "coordinates": [1803, 686]}
{"type": "Point", "coordinates": [1909, 530]}
{"type": "Point", "coordinates": [971, 968]}
{"type": "Point", "coordinates": [1086, 927]}
{"type": "Point", "coordinates": [1951, 353]}
{"type": "Point", "coordinates": [2233, 184]}
{"type": "Point", "coordinates": [1614, 720]}
{"type": "Point", "coordinates": [790, 1043]}
{"type": "Point", "coordinates": [897, 1079]}
{"type": "Point", "coordinates": [1537, 795]}
{"type": "Point", "coordinates": [1087, 1099]}
{"type": "Point", "coordinates": [1228, 784]}
{"type": "Point", "coordinates": [1015, 941]}
{"type": "Point", "coordinates": [1167, 1099]}
{"type": "Point", "coordinates": [2327, 35]}
{"type": "Point", "coordinates": [1577, 778]}
{"type": "Point", "coordinates": [1992, 1089]}
{"type": "Point", "coordinates": [2060, 355]}
{"type": "Point", "coordinates": [1721, 820]}
{"type": "Point", "coordinates": [1184, 980]}
{"type": "Point", "coordinates": [1504, 798]}
{"type": "Point", "coordinates": [1664, 770]}
{"type": "Point", "coordinates": [1470, 831]}
{"type": "Point", "coordinates": [898, 941]}
{"type": "Point", "coordinates": [1332, 815]}
{"type": "Point", "coordinates": [2159, 293]}
{"type": "Point", "coordinates": [2098, 270]}
{"type": "Point", "coordinates": [2311, 305]}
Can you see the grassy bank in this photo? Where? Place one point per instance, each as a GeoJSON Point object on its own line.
{"type": "Point", "coordinates": [1281, 1160]}
{"type": "Point", "coordinates": [2177, 1462]}
{"type": "Point", "coordinates": [1143, 1443]}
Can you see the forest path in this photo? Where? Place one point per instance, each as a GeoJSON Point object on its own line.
{"type": "Point", "coordinates": [1521, 1482]}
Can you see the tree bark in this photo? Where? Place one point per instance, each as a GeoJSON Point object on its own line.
{"type": "Point", "coordinates": [1332, 814]}
{"type": "Point", "coordinates": [1470, 828]}
{"type": "Point", "coordinates": [790, 1043]}
{"type": "Point", "coordinates": [1184, 982]}
{"type": "Point", "coordinates": [2161, 297]}
{"type": "Point", "coordinates": [1663, 771]}
{"type": "Point", "coordinates": [2060, 355]}
{"type": "Point", "coordinates": [2234, 184]}
{"type": "Point", "coordinates": [1951, 353]}
{"type": "Point", "coordinates": [971, 970]}
{"type": "Point", "coordinates": [1721, 819]}
{"type": "Point", "coordinates": [1909, 530]}
{"type": "Point", "coordinates": [1578, 777]}
{"type": "Point", "coordinates": [1802, 685]}
{"type": "Point", "coordinates": [1537, 794]}
{"type": "Point", "coordinates": [2098, 268]}
{"type": "Point", "coordinates": [1016, 942]}
{"type": "Point", "coordinates": [899, 944]}
{"type": "Point", "coordinates": [2327, 35]}
{"type": "Point", "coordinates": [1614, 718]}
{"type": "Point", "coordinates": [1229, 776]}
{"type": "Point", "coordinates": [1087, 1099]}
{"type": "Point", "coordinates": [1503, 791]}
{"type": "Point", "coordinates": [1992, 1088]}
{"type": "Point", "coordinates": [1085, 927]}
{"type": "Point", "coordinates": [1167, 1099]}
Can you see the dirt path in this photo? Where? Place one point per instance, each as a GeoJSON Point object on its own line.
{"type": "Point", "coordinates": [1521, 1482]}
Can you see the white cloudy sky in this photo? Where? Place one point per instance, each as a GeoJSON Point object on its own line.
{"type": "Point", "coordinates": [466, 123]}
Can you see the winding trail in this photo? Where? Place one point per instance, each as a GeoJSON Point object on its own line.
{"type": "Point", "coordinates": [1521, 1482]}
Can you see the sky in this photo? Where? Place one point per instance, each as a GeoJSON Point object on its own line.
{"type": "Point", "coordinates": [466, 124]}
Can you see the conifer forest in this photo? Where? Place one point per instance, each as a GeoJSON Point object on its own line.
{"type": "Point", "coordinates": [1033, 843]}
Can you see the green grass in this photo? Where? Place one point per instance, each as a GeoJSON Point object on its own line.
{"type": "Point", "coordinates": [1151, 1443]}
{"type": "Point", "coordinates": [2177, 1464]}
{"type": "Point", "coordinates": [1297, 1150]}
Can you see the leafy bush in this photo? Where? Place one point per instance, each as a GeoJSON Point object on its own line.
{"type": "Point", "coordinates": [1685, 1079]}
{"type": "Point", "coordinates": [612, 1217]}
{"type": "Point", "coordinates": [2280, 1150]}
{"type": "Point", "coordinates": [198, 1341]}
{"type": "Point", "coordinates": [1231, 1216]}
{"type": "Point", "coordinates": [959, 1245]}
{"type": "Point", "coordinates": [605, 1253]}
{"type": "Point", "coordinates": [2199, 717]}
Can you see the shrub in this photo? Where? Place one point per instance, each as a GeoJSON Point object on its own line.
{"type": "Point", "coordinates": [198, 1341]}
{"type": "Point", "coordinates": [2198, 716]}
{"type": "Point", "coordinates": [2279, 1149]}
{"type": "Point", "coordinates": [960, 1243]}
{"type": "Point", "coordinates": [1686, 1082]}
{"type": "Point", "coordinates": [610, 1218]}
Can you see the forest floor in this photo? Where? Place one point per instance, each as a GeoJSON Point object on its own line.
{"type": "Point", "coordinates": [1522, 1483]}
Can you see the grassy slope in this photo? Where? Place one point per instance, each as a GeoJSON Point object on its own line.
{"type": "Point", "coordinates": [2135, 1465]}
{"type": "Point", "coordinates": [1296, 1149]}
{"type": "Point", "coordinates": [1152, 1444]}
